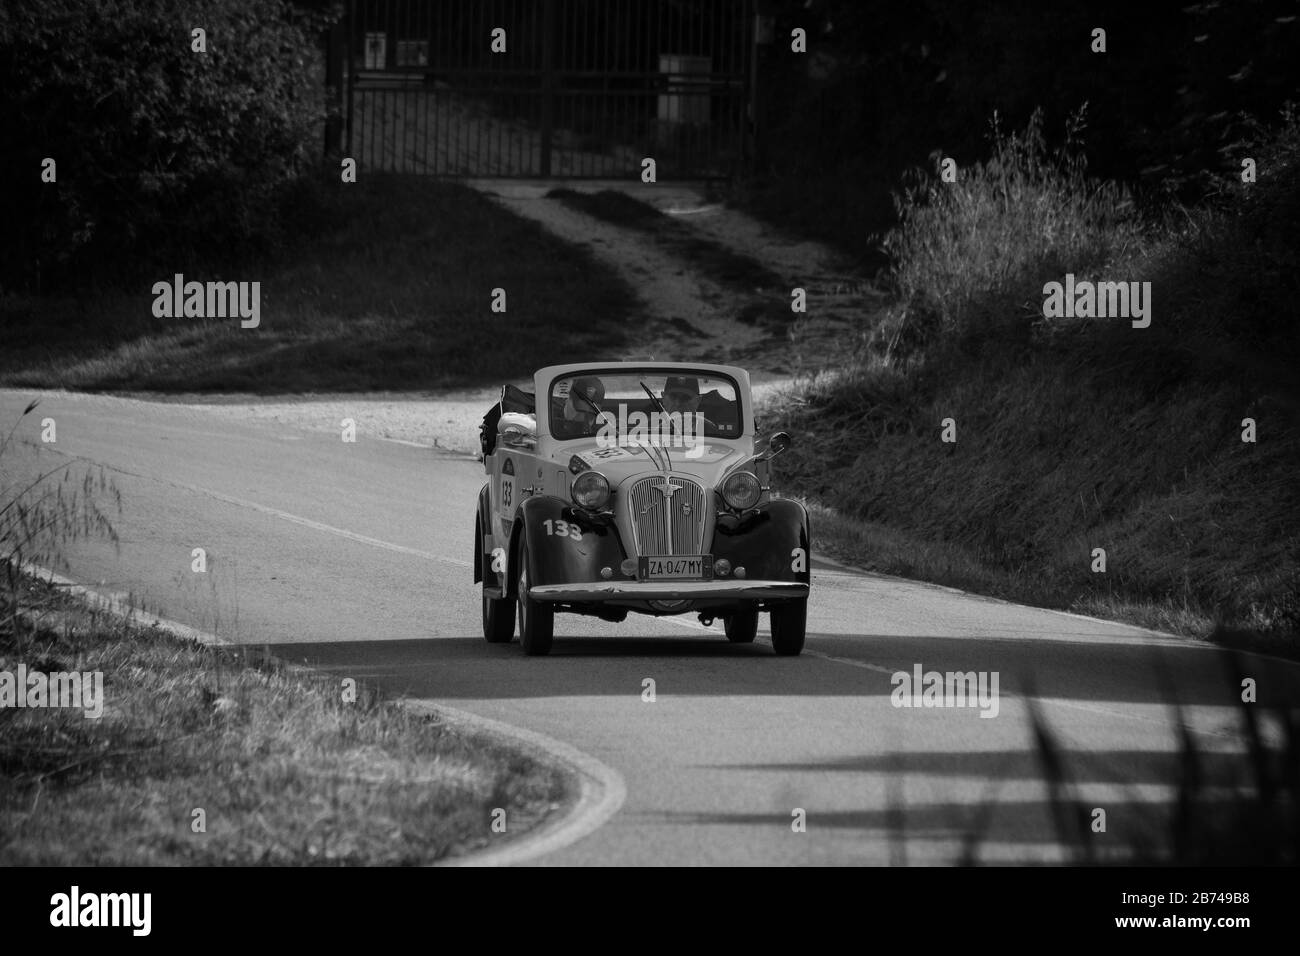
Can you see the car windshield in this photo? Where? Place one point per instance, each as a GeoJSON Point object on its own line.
{"type": "Point", "coordinates": [659, 405]}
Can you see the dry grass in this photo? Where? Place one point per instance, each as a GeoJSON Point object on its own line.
{"type": "Point", "coordinates": [1077, 435]}
{"type": "Point", "coordinates": [284, 769]}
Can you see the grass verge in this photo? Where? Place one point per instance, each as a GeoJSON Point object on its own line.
{"type": "Point", "coordinates": [877, 547]}
{"type": "Point", "coordinates": [1073, 435]}
{"type": "Point", "coordinates": [383, 285]}
{"type": "Point", "coordinates": [284, 770]}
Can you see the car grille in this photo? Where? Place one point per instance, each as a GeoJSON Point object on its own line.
{"type": "Point", "coordinates": [668, 525]}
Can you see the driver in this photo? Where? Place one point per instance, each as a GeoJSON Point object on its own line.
{"type": "Point", "coordinates": [681, 394]}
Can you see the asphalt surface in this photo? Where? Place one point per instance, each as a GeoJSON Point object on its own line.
{"type": "Point", "coordinates": [355, 557]}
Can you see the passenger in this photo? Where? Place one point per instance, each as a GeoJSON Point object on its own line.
{"type": "Point", "coordinates": [576, 418]}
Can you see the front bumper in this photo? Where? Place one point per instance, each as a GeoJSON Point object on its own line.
{"type": "Point", "coordinates": [669, 591]}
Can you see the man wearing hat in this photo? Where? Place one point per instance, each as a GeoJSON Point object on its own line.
{"type": "Point", "coordinates": [577, 418]}
{"type": "Point", "coordinates": [681, 394]}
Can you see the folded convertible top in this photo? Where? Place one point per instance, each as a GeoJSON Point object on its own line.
{"type": "Point", "coordinates": [512, 400]}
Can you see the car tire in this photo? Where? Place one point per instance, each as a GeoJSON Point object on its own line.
{"type": "Point", "coordinates": [789, 623]}
{"type": "Point", "coordinates": [742, 626]}
{"type": "Point", "coordinates": [536, 618]}
{"type": "Point", "coordinates": [498, 613]}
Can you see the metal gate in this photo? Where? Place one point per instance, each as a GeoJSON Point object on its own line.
{"type": "Point", "coordinates": [550, 88]}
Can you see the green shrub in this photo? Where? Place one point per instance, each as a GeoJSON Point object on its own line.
{"type": "Point", "coordinates": [160, 150]}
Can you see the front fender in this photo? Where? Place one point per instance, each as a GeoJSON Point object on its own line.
{"type": "Point", "coordinates": [561, 558]}
{"type": "Point", "coordinates": [482, 527]}
{"type": "Point", "coordinates": [771, 543]}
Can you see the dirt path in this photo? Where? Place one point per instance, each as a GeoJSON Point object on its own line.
{"type": "Point", "coordinates": [689, 313]}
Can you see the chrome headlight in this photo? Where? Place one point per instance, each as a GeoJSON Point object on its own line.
{"type": "Point", "coordinates": [590, 490]}
{"type": "Point", "coordinates": [741, 490]}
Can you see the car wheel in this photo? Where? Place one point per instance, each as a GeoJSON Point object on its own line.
{"type": "Point", "coordinates": [536, 618]}
{"type": "Point", "coordinates": [742, 626]}
{"type": "Point", "coordinates": [789, 622]}
{"type": "Point", "coordinates": [498, 613]}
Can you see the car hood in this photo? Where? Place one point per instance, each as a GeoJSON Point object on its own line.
{"type": "Point", "coordinates": [709, 463]}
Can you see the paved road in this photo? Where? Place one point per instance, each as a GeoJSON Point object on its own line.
{"type": "Point", "coordinates": [356, 557]}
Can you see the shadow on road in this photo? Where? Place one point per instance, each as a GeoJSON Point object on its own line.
{"type": "Point", "coordinates": [871, 773]}
{"type": "Point", "coordinates": [706, 665]}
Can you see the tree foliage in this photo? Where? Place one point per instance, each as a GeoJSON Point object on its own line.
{"type": "Point", "coordinates": [160, 150]}
{"type": "Point", "coordinates": [1182, 89]}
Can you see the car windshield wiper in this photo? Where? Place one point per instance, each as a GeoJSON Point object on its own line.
{"type": "Point", "coordinates": [591, 402]}
{"type": "Point", "coordinates": [657, 404]}
{"type": "Point", "coordinates": [662, 411]}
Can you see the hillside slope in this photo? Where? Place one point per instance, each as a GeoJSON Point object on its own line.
{"type": "Point", "coordinates": [1073, 435]}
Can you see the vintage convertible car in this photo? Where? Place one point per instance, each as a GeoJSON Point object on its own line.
{"type": "Point", "coordinates": [636, 487]}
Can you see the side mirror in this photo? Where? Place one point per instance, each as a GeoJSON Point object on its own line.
{"type": "Point", "coordinates": [775, 445]}
{"type": "Point", "coordinates": [517, 430]}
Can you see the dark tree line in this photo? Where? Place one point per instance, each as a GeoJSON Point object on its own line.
{"type": "Point", "coordinates": [158, 148]}
{"type": "Point", "coordinates": [159, 152]}
{"type": "Point", "coordinates": [1181, 90]}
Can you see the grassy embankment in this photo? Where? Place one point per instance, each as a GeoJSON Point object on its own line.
{"type": "Point", "coordinates": [283, 768]}
{"type": "Point", "coordinates": [385, 284]}
{"type": "Point", "coordinates": [1080, 434]}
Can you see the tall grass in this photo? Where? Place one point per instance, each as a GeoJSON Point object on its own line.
{"type": "Point", "coordinates": [1027, 209]}
{"type": "Point", "coordinates": [1085, 433]}
{"type": "Point", "coordinates": [42, 514]}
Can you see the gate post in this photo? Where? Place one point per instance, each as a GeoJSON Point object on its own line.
{"type": "Point", "coordinates": [349, 80]}
{"type": "Point", "coordinates": [548, 82]}
{"type": "Point", "coordinates": [760, 41]}
{"type": "Point", "coordinates": [335, 51]}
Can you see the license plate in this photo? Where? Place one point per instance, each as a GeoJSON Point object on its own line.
{"type": "Point", "coordinates": [679, 567]}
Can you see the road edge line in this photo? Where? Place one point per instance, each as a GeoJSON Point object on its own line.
{"type": "Point", "coordinates": [601, 790]}
{"type": "Point", "coordinates": [120, 606]}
